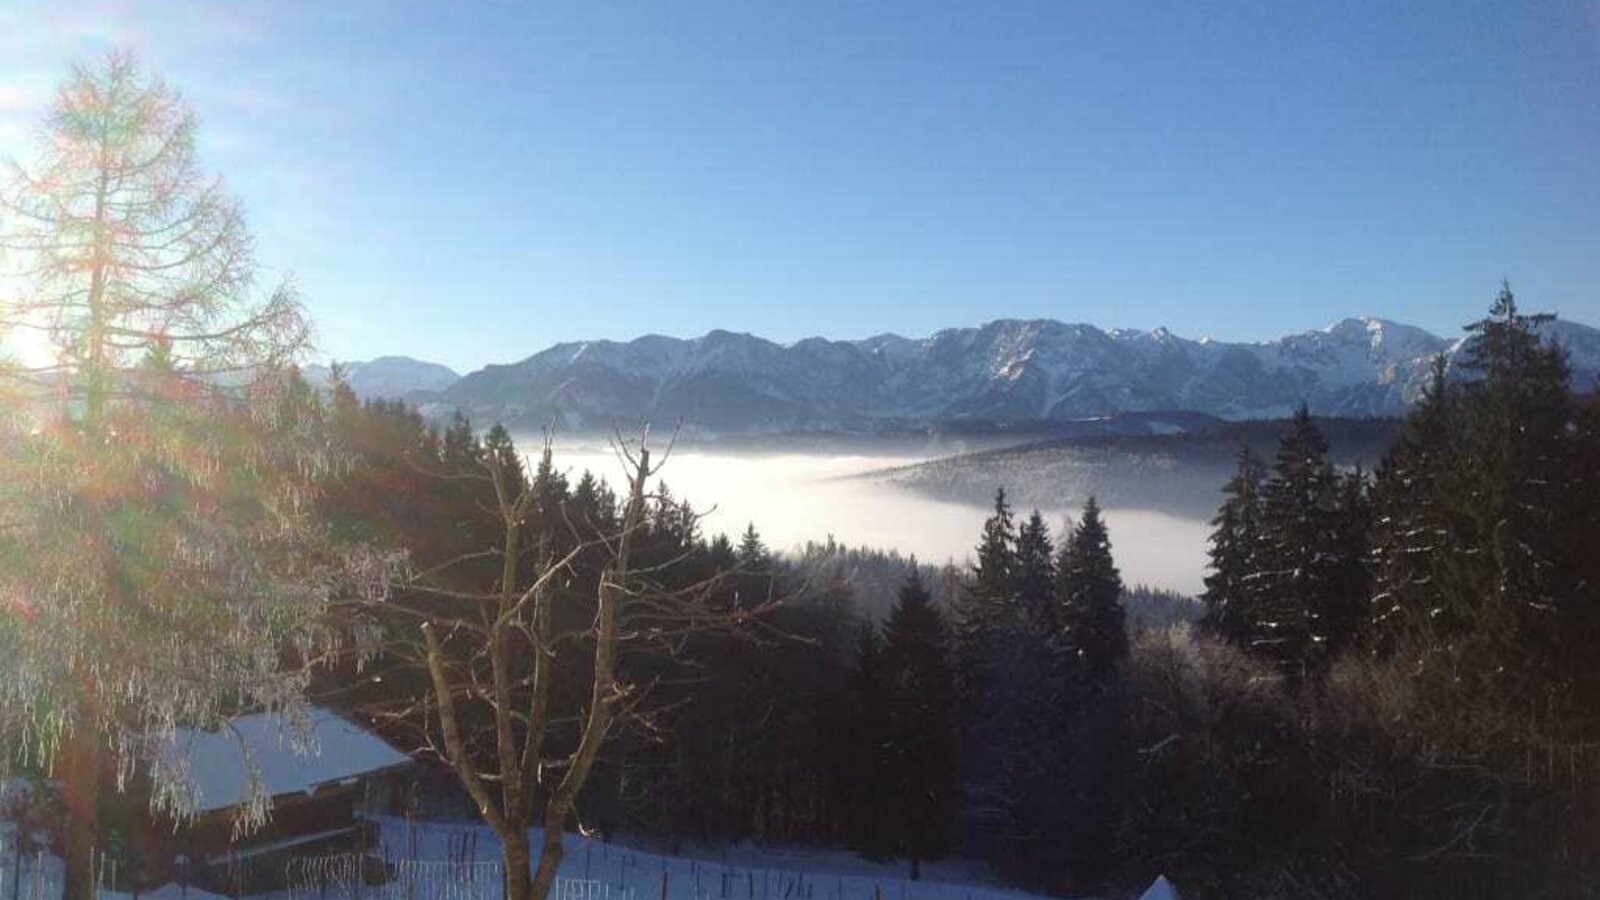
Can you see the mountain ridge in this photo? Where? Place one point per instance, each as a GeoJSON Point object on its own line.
{"type": "Point", "coordinates": [1003, 371]}
{"type": "Point", "coordinates": [387, 377]}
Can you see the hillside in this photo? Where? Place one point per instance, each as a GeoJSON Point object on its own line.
{"type": "Point", "coordinates": [1176, 473]}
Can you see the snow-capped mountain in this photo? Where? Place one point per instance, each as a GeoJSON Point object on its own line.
{"type": "Point", "coordinates": [389, 377]}
{"type": "Point", "coordinates": [1006, 371]}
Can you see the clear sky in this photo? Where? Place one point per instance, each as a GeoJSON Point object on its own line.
{"type": "Point", "coordinates": [470, 181]}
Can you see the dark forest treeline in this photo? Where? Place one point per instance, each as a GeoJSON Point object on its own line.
{"type": "Point", "coordinates": [732, 742]}
{"type": "Point", "coordinates": [1388, 691]}
{"type": "Point", "coordinates": [1392, 695]}
{"type": "Point", "coordinates": [1389, 694]}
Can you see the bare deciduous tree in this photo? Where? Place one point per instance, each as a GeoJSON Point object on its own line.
{"type": "Point", "coordinates": [493, 659]}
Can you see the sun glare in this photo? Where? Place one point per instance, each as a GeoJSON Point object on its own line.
{"type": "Point", "coordinates": [25, 345]}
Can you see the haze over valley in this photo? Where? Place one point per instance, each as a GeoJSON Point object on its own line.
{"type": "Point", "coordinates": [856, 439]}
{"type": "Point", "coordinates": [793, 498]}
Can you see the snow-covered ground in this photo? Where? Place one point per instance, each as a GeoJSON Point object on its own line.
{"type": "Point", "coordinates": [444, 861]}
{"type": "Point", "coordinates": [737, 873]}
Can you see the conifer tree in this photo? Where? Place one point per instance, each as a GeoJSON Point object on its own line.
{"type": "Point", "coordinates": [1299, 613]}
{"type": "Point", "coordinates": [497, 444]}
{"type": "Point", "coordinates": [753, 552]}
{"type": "Point", "coordinates": [1413, 498]}
{"type": "Point", "coordinates": [1512, 604]}
{"type": "Point", "coordinates": [1091, 589]}
{"type": "Point", "coordinates": [1235, 552]}
{"type": "Point", "coordinates": [754, 582]}
{"type": "Point", "coordinates": [986, 604]}
{"type": "Point", "coordinates": [994, 575]}
{"type": "Point", "coordinates": [593, 506]}
{"type": "Point", "coordinates": [1519, 414]}
{"type": "Point", "coordinates": [462, 449]}
{"type": "Point", "coordinates": [865, 770]}
{"type": "Point", "coordinates": [1035, 575]}
{"type": "Point", "coordinates": [922, 727]}
{"type": "Point", "coordinates": [552, 491]}
{"type": "Point", "coordinates": [1348, 607]}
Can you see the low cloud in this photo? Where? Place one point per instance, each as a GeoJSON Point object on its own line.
{"type": "Point", "coordinates": [793, 498]}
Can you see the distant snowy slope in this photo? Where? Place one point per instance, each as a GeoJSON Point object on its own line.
{"type": "Point", "coordinates": [1007, 371]}
{"type": "Point", "coordinates": [389, 377]}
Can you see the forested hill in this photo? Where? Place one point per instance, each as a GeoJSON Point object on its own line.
{"type": "Point", "coordinates": [1177, 473]}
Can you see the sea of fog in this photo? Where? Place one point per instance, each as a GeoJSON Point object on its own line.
{"type": "Point", "coordinates": [796, 497]}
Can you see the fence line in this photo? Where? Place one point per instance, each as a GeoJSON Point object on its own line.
{"type": "Point", "coordinates": [396, 869]}
{"type": "Point", "coordinates": [25, 876]}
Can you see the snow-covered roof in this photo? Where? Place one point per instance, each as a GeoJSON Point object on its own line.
{"type": "Point", "coordinates": [219, 762]}
{"type": "Point", "coordinates": [1160, 889]}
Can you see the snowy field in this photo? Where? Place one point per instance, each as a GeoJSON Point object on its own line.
{"type": "Point", "coordinates": [737, 873]}
{"type": "Point", "coordinates": [441, 861]}
{"type": "Point", "coordinates": [444, 861]}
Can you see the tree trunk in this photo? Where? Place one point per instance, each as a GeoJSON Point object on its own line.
{"type": "Point", "coordinates": [551, 851]}
{"type": "Point", "coordinates": [81, 785]}
{"type": "Point", "coordinates": [514, 846]}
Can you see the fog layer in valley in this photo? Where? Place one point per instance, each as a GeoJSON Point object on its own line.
{"type": "Point", "coordinates": [795, 497]}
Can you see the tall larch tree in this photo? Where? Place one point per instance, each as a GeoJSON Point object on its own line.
{"type": "Point", "coordinates": [159, 555]}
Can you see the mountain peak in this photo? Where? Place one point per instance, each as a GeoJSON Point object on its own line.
{"type": "Point", "coordinates": [1005, 371]}
{"type": "Point", "coordinates": [387, 377]}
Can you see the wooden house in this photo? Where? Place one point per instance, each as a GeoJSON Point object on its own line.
{"type": "Point", "coordinates": [324, 786]}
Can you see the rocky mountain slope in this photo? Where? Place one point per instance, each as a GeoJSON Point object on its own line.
{"type": "Point", "coordinates": [1004, 372]}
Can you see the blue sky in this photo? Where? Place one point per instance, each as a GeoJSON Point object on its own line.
{"type": "Point", "coordinates": [470, 182]}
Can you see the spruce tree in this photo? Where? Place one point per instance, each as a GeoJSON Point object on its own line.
{"type": "Point", "coordinates": [922, 726]}
{"type": "Point", "coordinates": [462, 450]}
{"type": "Point", "coordinates": [755, 581]}
{"type": "Point", "coordinates": [1299, 613]}
{"type": "Point", "coordinates": [1034, 576]}
{"type": "Point", "coordinates": [1093, 622]}
{"type": "Point", "coordinates": [1523, 605]}
{"type": "Point", "coordinates": [1235, 552]}
{"type": "Point", "coordinates": [985, 606]}
{"type": "Point", "coordinates": [865, 770]}
{"type": "Point", "coordinates": [995, 573]}
{"type": "Point", "coordinates": [753, 552]}
{"type": "Point", "coordinates": [1518, 416]}
{"type": "Point", "coordinates": [1349, 608]}
{"type": "Point", "coordinates": [498, 446]}
{"type": "Point", "coordinates": [1414, 498]}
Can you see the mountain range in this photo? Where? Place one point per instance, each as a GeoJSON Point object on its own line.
{"type": "Point", "coordinates": [1002, 373]}
{"type": "Point", "coordinates": [389, 377]}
